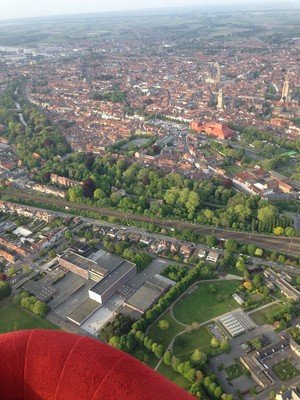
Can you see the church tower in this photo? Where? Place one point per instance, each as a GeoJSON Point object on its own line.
{"type": "Point", "coordinates": [218, 74]}
{"type": "Point", "coordinates": [220, 99]}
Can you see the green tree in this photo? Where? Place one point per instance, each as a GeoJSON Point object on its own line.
{"type": "Point", "coordinates": [190, 375]}
{"type": "Point", "coordinates": [211, 241]}
{"type": "Point", "coordinates": [198, 357]}
{"type": "Point", "coordinates": [5, 289]}
{"type": "Point", "coordinates": [163, 325]}
{"type": "Point", "coordinates": [289, 231]}
{"type": "Point", "coordinates": [11, 272]}
{"type": "Point", "coordinates": [114, 341]}
{"type": "Point", "coordinates": [40, 308]}
{"type": "Point", "coordinates": [159, 351]}
{"type": "Point", "coordinates": [225, 345]}
{"type": "Point", "coordinates": [231, 244]}
{"type": "Point", "coordinates": [240, 264]}
{"type": "Point", "coordinates": [214, 342]}
{"type": "Point", "coordinates": [99, 194]}
{"type": "Point", "coordinates": [259, 252]}
{"type": "Point", "coordinates": [218, 392]}
{"type": "Point", "coordinates": [278, 230]}
{"type": "Point", "coordinates": [167, 357]}
{"type": "Point", "coordinates": [68, 235]}
{"type": "Point", "coordinates": [256, 343]}
{"type": "Point", "coordinates": [193, 202]}
{"type": "Point", "coordinates": [75, 194]}
{"type": "Point", "coordinates": [267, 214]}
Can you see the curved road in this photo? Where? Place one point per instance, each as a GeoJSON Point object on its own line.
{"type": "Point", "coordinates": [286, 245]}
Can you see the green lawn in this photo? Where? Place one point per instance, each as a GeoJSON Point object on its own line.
{"type": "Point", "coordinates": [14, 318]}
{"type": "Point", "coordinates": [285, 370]}
{"type": "Point", "coordinates": [200, 305]}
{"type": "Point", "coordinates": [173, 376]}
{"type": "Point", "coordinates": [234, 371]}
{"type": "Point", "coordinates": [165, 337]}
{"type": "Point", "coordinates": [186, 343]}
{"type": "Point", "coordinates": [263, 316]}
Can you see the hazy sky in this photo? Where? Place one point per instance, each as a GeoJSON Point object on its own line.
{"type": "Point", "coordinates": [32, 8]}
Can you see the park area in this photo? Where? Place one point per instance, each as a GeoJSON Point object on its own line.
{"type": "Point", "coordinates": [14, 318]}
{"type": "Point", "coordinates": [188, 342]}
{"type": "Point", "coordinates": [164, 336]}
{"type": "Point", "coordinates": [206, 301]}
{"type": "Point", "coordinates": [178, 328]}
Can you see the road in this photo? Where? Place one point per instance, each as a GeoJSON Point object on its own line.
{"type": "Point", "coordinates": [286, 245]}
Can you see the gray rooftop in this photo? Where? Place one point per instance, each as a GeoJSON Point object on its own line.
{"type": "Point", "coordinates": [78, 260]}
{"type": "Point", "coordinates": [147, 294]}
{"type": "Point", "coordinates": [102, 286]}
{"type": "Point", "coordinates": [82, 312]}
{"type": "Point", "coordinates": [106, 261]}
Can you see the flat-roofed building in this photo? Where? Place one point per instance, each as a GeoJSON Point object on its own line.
{"type": "Point", "coordinates": [147, 294]}
{"type": "Point", "coordinates": [257, 370]}
{"type": "Point", "coordinates": [213, 256]}
{"type": "Point", "coordinates": [76, 263]}
{"type": "Point", "coordinates": [82, 249]}
{"type": "Point", "coordinates": [237, 322]}
{"type": "Point", "coordinates": [112, 282]}
{"type": "Point", "coordinates": [83, 312]}
{"type": "Point", "coordinates": [94, 269]}
{"type": "Point", "coordinates": [238, 299]}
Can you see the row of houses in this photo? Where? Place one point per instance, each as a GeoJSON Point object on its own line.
{"type": "Point", "coordinates": [286, 288]}
{"type": "Point", "coordinates": [11, 208]}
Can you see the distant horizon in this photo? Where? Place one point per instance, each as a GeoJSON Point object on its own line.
{"type": "Point", "coordinates": [134, 7]}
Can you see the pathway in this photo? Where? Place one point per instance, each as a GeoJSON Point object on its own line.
{"type": "Point", "coordinates": [264, 306]}
{"type": "Point", "coordinates": [187, 327]}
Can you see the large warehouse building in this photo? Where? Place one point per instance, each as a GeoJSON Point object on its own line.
{"type": "Point", "coordinates": [88, 268]}
{"type": "Point", "coordinates": [147, 294]}
{"type": "Point", "coordinates": [112, 282]}
{"type": "Point", "coordinates": [77, 264]}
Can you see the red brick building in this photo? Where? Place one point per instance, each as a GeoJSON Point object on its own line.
{"type": "Point", "coordinates": [219, 130]}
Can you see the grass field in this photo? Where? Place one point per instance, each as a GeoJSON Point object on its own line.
{"type": "Point", "coordinates": [201, 305]}
{"type": "Point", "coordinates": [173, 376]}
{"type": "Point", "coordinates": [285, 370]}
{"type": "Point", "coordinates": [263, 316]}
{"type": "Point", "coordinates": [190, 341]}
{"type": "Point", "coordinates": [165, 337]}
{"type": "Point", "coordinates": [14, 318]}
